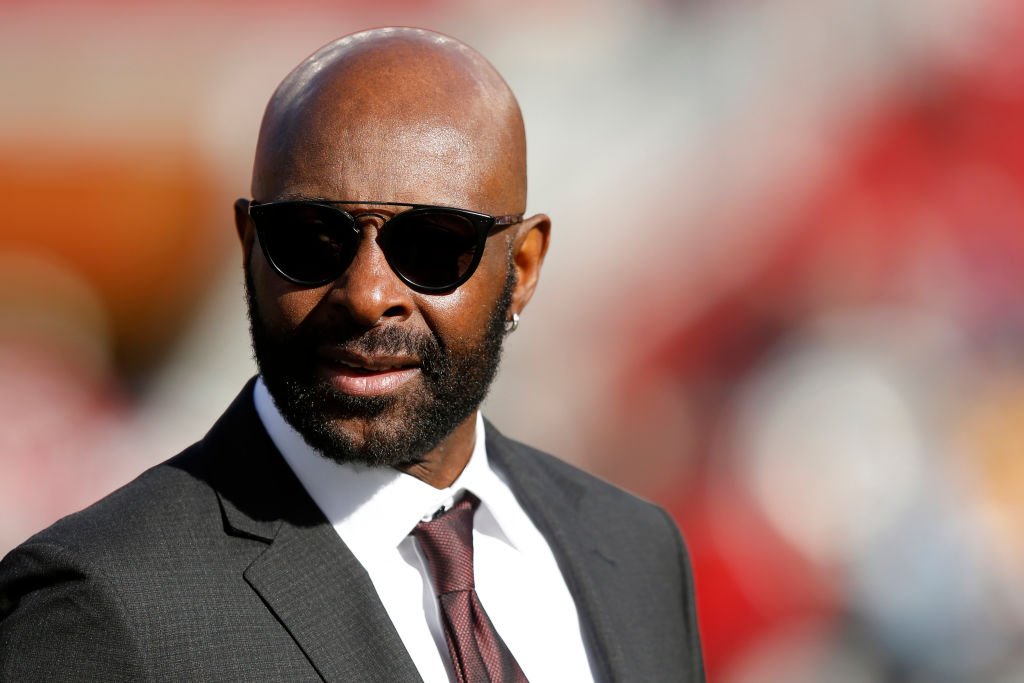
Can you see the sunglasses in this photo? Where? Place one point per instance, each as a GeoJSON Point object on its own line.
{"type": "Point", "coordinates": [431, 248]}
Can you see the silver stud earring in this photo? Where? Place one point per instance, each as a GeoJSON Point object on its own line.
{"type": "Point", "coordinates": [513, 324]}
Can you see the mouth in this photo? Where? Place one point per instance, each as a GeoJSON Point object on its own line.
{"type": "Point", "coordinates": [359, 375]}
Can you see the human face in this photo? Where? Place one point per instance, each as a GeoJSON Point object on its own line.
{"type": "Point", "coordinates": [401, 121]}
{"type": "Point", "coordinates": [407, 423]}
{"type": "Point", "coordinates": [365, 368]}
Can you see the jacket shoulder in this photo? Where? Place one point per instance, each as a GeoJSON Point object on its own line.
{"type": "Point", "coordinates": [623, 558]}
{"type": "Point", "coordinates": [520, 457]}
{"type": "Point", "coordinates": [141, 512]}
{"type": "Point", "coordinates": [73, 580]}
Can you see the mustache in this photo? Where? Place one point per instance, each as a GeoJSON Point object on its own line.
{"type": "Point", "coordinates": [389, 340]}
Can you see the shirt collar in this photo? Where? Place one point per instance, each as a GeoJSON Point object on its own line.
{"type": "Point", "coordinates": [374, 508]}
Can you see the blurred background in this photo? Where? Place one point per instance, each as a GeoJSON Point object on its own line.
{"type": "Point", "coordinates": [782, 298]}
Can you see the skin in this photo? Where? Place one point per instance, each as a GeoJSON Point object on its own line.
{"type": "Point", "coordinates": [397, 115]}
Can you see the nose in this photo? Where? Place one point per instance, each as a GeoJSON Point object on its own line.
{"type": "Point", "coordinates": [368, 291]}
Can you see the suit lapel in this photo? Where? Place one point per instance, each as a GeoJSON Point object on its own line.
{"type": "Point", "coordinates": [557, 506]}
{"type": "Point", "coordinates": [325, 599]}
{"type": "Point", "coordinates": [306, 575]}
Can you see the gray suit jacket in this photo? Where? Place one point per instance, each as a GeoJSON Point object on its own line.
{"type": "Point", "coordinates": [217, 566]}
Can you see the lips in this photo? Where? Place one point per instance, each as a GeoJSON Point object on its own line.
{"type": "Point", "coordinates": [368, 375]}
{"type": "Point", "coordinates": [373, 366]}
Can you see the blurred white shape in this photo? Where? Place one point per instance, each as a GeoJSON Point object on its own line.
{"type": "Point", "coordinates": [829, 440]}
{"type": "Point", "coordinates": [927, 592]}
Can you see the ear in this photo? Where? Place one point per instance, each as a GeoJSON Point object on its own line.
{"type": "Point", "coordinates": [243, 226]}
{"type": "Point", "coordinates": [528, 250]}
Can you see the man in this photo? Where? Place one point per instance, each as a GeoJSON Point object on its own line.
{"type": "Point", "coordinates": [386, 257]}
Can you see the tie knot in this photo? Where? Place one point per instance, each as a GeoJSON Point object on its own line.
{"type": "Point", "coordinates": [447, 545]}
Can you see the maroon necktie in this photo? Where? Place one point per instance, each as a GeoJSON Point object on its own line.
{"type": "Point", "coordinates": [479, 655]}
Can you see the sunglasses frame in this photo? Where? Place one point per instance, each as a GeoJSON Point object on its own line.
{"type": "Point", "coordinates": [485, 224]}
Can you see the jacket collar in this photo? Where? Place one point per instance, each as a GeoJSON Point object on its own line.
{"type": "Point", "coordinates": [562, 510]}
{"type": "Point", "coordinates": [304, 573]}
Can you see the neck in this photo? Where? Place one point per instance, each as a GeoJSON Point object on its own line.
{"type": "Point", "coordinates": [442, 466]}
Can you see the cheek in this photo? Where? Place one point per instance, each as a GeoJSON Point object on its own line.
{"type": "Point", "coordinates": [460, 318]}
{"type": "Point", "coordinates": [282, 305]}
{"type": "Point", "coordinates": [447, 315]}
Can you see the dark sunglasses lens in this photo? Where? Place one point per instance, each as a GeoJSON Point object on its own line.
{"type": "Point", "coordinates": [431, 248]}
{"type": "Point", "coordinates": [307, 242]}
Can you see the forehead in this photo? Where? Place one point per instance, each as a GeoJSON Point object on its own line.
{"type": "Point", "coordinates": [418, 162]}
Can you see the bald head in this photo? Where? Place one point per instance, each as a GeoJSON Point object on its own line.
{"type": "Point", "coordinates": [394, 114]}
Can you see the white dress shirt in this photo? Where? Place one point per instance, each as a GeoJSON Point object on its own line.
{"type": "Point", "coordinates": [517, 579]}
